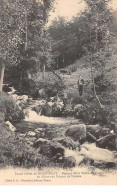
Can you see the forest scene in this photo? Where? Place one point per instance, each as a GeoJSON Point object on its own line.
{"type": "Point", "coordinates": [58, 85]}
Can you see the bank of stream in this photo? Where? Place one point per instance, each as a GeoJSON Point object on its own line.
{"type": "Point", "coordinates": [63, 140]}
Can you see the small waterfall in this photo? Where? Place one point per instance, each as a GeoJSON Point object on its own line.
{"type": "Point", "coordinates": [35, 116]}
{"type": "Point", "coordinates": [32, 116]}
{"type": "Point", "coordinates": [75, 154]}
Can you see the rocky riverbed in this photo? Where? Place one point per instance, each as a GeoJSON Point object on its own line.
{"type": "Point", "coordinates": [67, 142]}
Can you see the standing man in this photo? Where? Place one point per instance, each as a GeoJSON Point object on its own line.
{"type": "Point", "coordinates": [80, 85]}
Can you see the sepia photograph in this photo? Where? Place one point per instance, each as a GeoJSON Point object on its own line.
{"type": "Point", "coordinates": [58, 92]}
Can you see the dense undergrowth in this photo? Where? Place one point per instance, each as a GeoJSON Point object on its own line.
{"type": "Point", "coordinates": [14, 151]}
{"type": "Point", "coordinates": [8, 109]}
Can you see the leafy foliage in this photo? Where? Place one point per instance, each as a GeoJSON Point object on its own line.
{"type": "Point", "coordinates": [92, 30]}
{"type": "Point", "coordinates": [17, 152]}
{"type": "Point", "coordinates": [98, 18]}
{"type": "Point", "coordinates": [24, 41]}
{"type": "Point", "coordinates": [101, 83]}
{"type": "Point", "coordinates": [9, 108]}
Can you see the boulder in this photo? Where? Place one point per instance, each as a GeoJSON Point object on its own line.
{"type": "Point", "coordinates": [78, 111]}
{"type": "Point", "coordinates": [90, 138]}
{"type": "Point", "coordinates": [38, 143]}
{"type": "Point", "coordinates": [69, 162]}
{"type": "Point", "coordinates": [38, 130]}
{"type": "Point", "coordinates": [22, 134]}
{"type": "Point", "coordinates": [34, 92]}
{"type": "Point", "coordinates": [76, 154]}
{"type": "Point", "coordinates": [25, 98]}
{"type": "Point", "coordinates": [32, 139]}
{"type": "Point", "coordinates": [67, 142]}
{"type": "Point", "coordinates": [57, 108]}
{"type": "Point", "coordinates": [37, 109]}
{"type": "Point", "coordinates": [67, 110]}
{"type": "Point", "coordinates": [10, 126]}
{"type": "Point", "coordinates": [52, 109]}
{"type": "Point", "coordinates": [41, 102]}
{"type": "Point", "coordinates": [38, 106]}
{"type": "Point", "coordinates": [22, 101]}
{"type": "Point", "coordinates": [77, 132]}
{"type": "Point", "coordinates": [104, 131]}
{"type": "Point", "coordinates": [49, 148]}
{"type": "Point", "coordinates": [49, 134]}
{"type": "Point", "coordinates": [94, 130]}
{"type": "Point", "coordinates": [107, 141]}
{"type": "Point", "coordinates": [31, 134]}
{"type": "Point", "coordinates": [42, 93]}
{"type": "Point", "coordinates": [58, 158]}
{"type": "Point", "coordinates": [98, 157]}
{"type": "Point", "coordinates": [47, 109]}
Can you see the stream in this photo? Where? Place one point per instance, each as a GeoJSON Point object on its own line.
{"type": "Point", "coordinates": [34, 117]}
{"type": "Point", "coordinates": [55, 127]}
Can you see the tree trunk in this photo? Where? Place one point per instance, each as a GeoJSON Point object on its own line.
{"type": "Point", "coordinates": [2, 69]}
{"type": "Point", "coordinates": [26, 29]}
{"type": "Point", "coordinates": [93, 75]}
{"type": "Point", "coordinates": [20, 81]}
{"type": "Point", "coordinates": [63, 60]}
{"type": "Point", "coordinates": [57, 62]}
{"type": "Point", "coordinates": [43, 73]}
{"type": "Point", "coordinates": [96, 95]}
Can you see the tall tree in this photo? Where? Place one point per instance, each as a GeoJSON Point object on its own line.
{"type": "Point", "coordinates": [68, 39]}
{"type": "Point", "coordinates": [22, 25]}
{"type": "Point", "coordinates": [98, 18]}
{"type": "Point", "coordinates": [9, 36]}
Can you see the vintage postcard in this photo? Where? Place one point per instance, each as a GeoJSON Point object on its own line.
{"type": "Point", "coordinates": [58, 92]}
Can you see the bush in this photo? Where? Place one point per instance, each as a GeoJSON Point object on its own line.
{"type": "Point", "coordinates": [6, 145]}
{"type": "Point", "coordinates": [9, 108]}
{"type": "Point", "coordinates": [93, 114]}
{"type": "Point", "coordinates": [79, 100]}
{"type": "Point", "coordinates": [16, 152]}
{"type": "Point", "coordinates": [68, 110]}
{"type": "Point", "coordinates": [26, 156]}
{"type": "Point", "coordinates": [101, 83]}
{"type": "Point", "coordinates": [52, 89]}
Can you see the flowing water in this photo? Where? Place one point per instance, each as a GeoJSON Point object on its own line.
{"type": "Point", "coordinates": [58, 124]}
{"type": "Point", "coordinates": [34, 117]}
